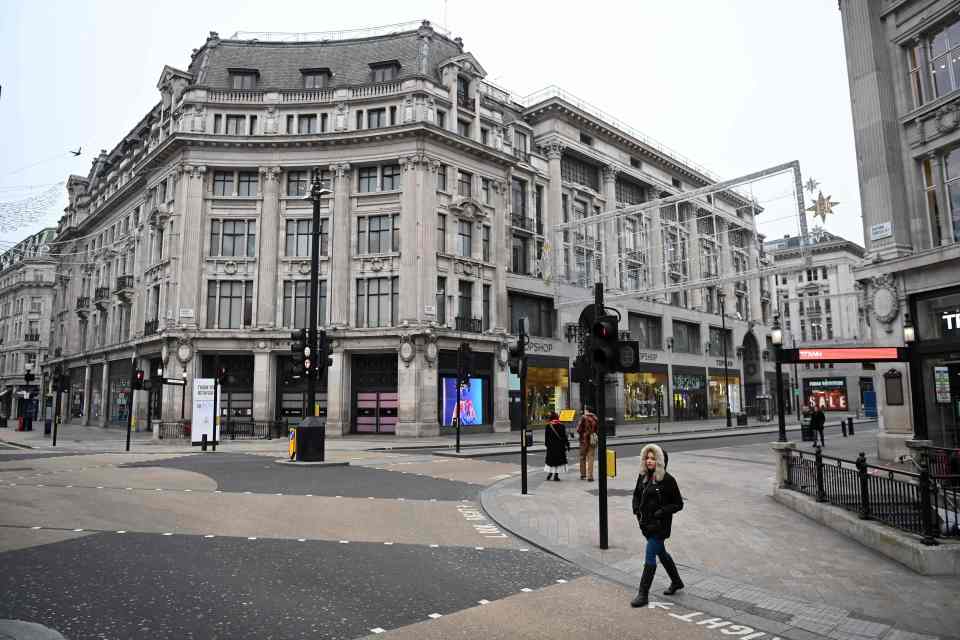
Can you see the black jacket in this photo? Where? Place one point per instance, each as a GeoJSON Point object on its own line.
{"type": "Point", "coordinates": [817, 420]}
{"type": "Point", "coordinates": [654, 504]}
{"type": "Point", "coordinates": [556, 440]}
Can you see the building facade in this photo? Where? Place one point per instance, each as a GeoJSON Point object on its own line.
{"type": "Point", "coordinates": [193, 236]}
{"type": "Point", "coordinates": [905, 92]}
{"type": "Point", "coordinates": [819, 306]}
{"type": "Point", "coordinates": [27, 280]}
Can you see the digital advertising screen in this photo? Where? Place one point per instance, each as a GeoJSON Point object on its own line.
{"type": "Point", "coordinates": [471, 402]}
{"type": "Point", "coordinates": [830, 394]}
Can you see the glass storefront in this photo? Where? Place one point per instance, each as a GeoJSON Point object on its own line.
{"type": "Point", "coordinates": [717, 394]}
{"type": "Point", "coordinates": [548, 387]}
{"type": "Point", "coordinates": [119, 391]}
{"type": "Point", "coordinates": [476, 400]}
{"type": "Point", "coordinates": [689, 393]}
{"type": "Point", "coordinates": [236, 393]}
{"type": "Point", "coordinates": [96, 392]}
{"type": "Point", "coordinates": [830, 394]}
{"type": "Point", "coordinates": [645, 393]}
{"type": "Point", "coordinates": [938, 358]}
{"type": "Point", "coordinates": [76, 392]}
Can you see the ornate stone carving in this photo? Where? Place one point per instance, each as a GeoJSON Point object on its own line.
{"type": "Point", "coordinates": [552, 150]}
{"type": "Point", "coordinates": [411, 163]}
{"type": "Point", "coordinates": [430, 350]}
{"type": "Point", "coordinates": [610, 174]}
{"type": "Point", "coordinates": [270, 174]}
{"type": "Point", "coordinates": [339, 170]}
{"type": "Point", "coordinates": [184, 349]}
{"type": "Point", "coordinates": [407, 350]}
{"type": "Point", "coordinates": [947, 118]}
{"type": "Point", "coordinates": [884, 301]}
{"type": "Point", "coordinates": [340, 117]}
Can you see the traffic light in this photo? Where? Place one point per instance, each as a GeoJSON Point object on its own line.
{"type": "Point", "coordinates": [518, 352]}
{"type": "Point", "coordinates": [604, 338]}
{"type": "Point", "coordinates": [324, 355]}
{"type": "Point", "coordinates": [28, 377]}
{"type": "Point", "coordinates": [301, 352]}
{"type": "Point", "coordinates": [137, 379]}
{"type": "Point", "coordinates": [464, 363]}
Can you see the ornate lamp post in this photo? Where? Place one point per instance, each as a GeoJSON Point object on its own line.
{"type": "Point", "coordinates": [776, 337]}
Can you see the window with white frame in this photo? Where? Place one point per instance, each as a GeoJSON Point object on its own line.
{"type": "Point", "coordinates": [378, 234]}
{"type": "Point", "coordinates": [299, 241]}
{"type": "Point", "coordinates": [378, 178]}
{"type": "Point", "coordinates": [465, 184]}
{"type": "Point", "coordinates": [236, 183]}
{"type": "Point", "coordinates": [464, 238]}
{"type": "Point", "coordinates": [233, 238]}
{"type": "Point", "coordinates": [229, 304]}
{"type": "Point", "coordinates": [378, 301]}
{"type": "Point", "coordinates": [296, 300]}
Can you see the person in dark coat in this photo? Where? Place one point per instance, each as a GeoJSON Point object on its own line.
{"type": "Point", "coordinates": [817, 422]}
{"type": "Point", "coordinates": [655, 499]}
{"type": "Point", "coordinates": [555, 438]}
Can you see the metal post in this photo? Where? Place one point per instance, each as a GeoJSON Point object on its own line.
{"type": "Point", "coordinates": [183, 400]}
{"type": "Point", "coordinates": [818, 466]}
{"type": "Point", "coordinates": [864, 486]}
{"type": "Point", "coordinates": [659, 396]}
{"type": "Point", "coordinates": [781, 418]}
{"type": "Point", "coordinates": [726, 375]}
{"type": "Point", "coordinates": [599, 396]}
{"type": "Point", "coordinates": [926, 504]}
{"type": "Point", "coordinates": [796, 381]}
{"type": "Point", "coordinates": [130, 411]}
{"type": "Point", "coordinates": [458, 416]}
{"type": "Point", "coordinates": [56, 410]}
{"type": "Point", "coordinates": [316, 192]}
{"type": "Point", "coordinates": [216, 407]}
{"type": "Point", "coordinates": [850, 426]}
{"type": "Point", "coordinates": [523, 410]}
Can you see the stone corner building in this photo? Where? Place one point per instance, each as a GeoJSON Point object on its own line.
{"type": "Point", "coordinates": [193, 238]}
{"type": "Point", "coordinates": [905, 89]}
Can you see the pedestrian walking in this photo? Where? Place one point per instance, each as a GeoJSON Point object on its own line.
{"type": "Point", "coordinates": [817, 422]}
{"type": "Point", "coordinates": [556, 440]}
{"type": "Point", "coordinates": [655, 499]}
{"type": "Point", "coordinates": [587, 430]}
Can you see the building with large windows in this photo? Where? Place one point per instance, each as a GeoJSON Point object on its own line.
{"type": "Point", "coordinates": [27, 277]}
{"type": "Point", "coordinates": [193, 238]}
{"type": "Point", "coordinates": [819, 306]}
{"type": "Point", "coordinates": [905, 90]}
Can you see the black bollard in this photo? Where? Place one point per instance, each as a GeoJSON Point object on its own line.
{"type": "Point", "coordinates": [203, 442]}
{"type": "Point", "coordinates": [851, 426]}
{"type": "Point", "coordinates": [843, 427]}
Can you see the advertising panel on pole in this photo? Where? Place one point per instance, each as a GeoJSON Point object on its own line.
{"type": "Point", "coordinates": [830, 394]}
{"type": "Point", "coordinates": [204, 397]}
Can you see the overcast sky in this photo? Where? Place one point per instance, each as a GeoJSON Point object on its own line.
{"type": "Point", "coordinates": [735, 85]}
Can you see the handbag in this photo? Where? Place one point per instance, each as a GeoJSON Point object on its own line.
{"type": "Point", "coordinates": [593, 439]}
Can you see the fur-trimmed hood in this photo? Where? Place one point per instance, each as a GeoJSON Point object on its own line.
{"type": "Point", "coordinates": [661, 457]}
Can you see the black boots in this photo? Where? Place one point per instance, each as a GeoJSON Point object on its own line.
{"type": "Point", "coordinates": [675, 582]}
{"type": "Point", "coordinates": [643, 595]}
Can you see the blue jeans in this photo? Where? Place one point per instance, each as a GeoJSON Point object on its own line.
{"type": "Point", "coordinates": [655, 549]}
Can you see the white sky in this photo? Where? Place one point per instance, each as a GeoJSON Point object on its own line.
{"type": "Point", "coordinates": [735, 85]}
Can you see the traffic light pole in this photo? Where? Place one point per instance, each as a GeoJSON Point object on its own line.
{"type": "Point", "coordinates": [315, 194]}
{"type": "Point", "coordinates": [56, 406]}
{"type": "Point", "coordinates": [523, 410]}
{"type": "Point", "coordinates": [599, 396]}
{"type": "Point", "coordinates": [458, 416]}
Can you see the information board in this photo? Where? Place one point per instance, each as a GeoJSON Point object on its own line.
{"type": "Point", "coordinates": [941, 382]}
{"type": "Point", "coordinates": [204, 400]}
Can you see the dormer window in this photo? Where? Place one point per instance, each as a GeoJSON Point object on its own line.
{"type": "Point", "coordinates": [243, 79]}
{"type": "Point", "coordinates": [385, 71]}
{"type": "Point", "coordinates": [463, 87]}
{"type": "Point", "coordinates": [316, 78]}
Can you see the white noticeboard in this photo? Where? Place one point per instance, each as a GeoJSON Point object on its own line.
{"type": "Point", "coordinates": [204, 399]}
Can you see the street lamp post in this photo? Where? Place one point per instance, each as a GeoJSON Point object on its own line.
{"type": "Point", "coordinates": [723, 338]}
{"type": "Point", "coordinates": [796, 380]}
{"type": "Point", "coordinates": [317, 191]}
{"type": "Point", "coordinates": [776, 337]}
{"type": "Point", "coordinates": [916, 403]}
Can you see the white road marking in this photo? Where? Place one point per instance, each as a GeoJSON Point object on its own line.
{"type": "Point", "coordinates": [434, 546]}
{"type": "Point", "coordinates": [301, 539]}
{"type": "Point", "coordinates": [309, 495]}
{"type": "Point", "coordinates": [252, 538]}
{"type": "Point", "coordinates": [77, 530]}
{"type": "Point", "coordinates": [524, 549]}
{"type": "Point", "coordinates": [388, 543]}
{"type": "Point", "coordinates": [209, 535]}
{"type": "Point", "coordinates": [378, 630]}
{"type": "Point", "coordinates": [278, 494]}
{"type": "Point", "coordinates": [435, 615]}
{"type": "Point", "coordinates": [247, 493]}
{"type": "Point", "coordinates": [344, 542]}
{"type": "Point", "coordinates": [479, 548]}
{"type": "Point", "coordinates": [168, 533]}
{"type": "Point", "coordinates": [561, 581]}
{"type": "Point", "coordinates": [483, 602]}
{"type": "Point", "coordinates": [41, 485]}
{"type": "Point", "coordinates": [69, 486]}
{"type": "Point", "coordinates": [99, 487]}
{"type": "Point", "coordinates": [129, 488]}
{"type": "Point", "coordinates": [526, 590]}
{"type": "Point", "coordinates": [121, 531]}
{"type": "Point", "coordinates": [35, 528]}
{"type": "Point", "coordinates": [188, 490]}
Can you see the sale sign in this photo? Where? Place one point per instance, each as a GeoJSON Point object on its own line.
{"type": "Point", "coordinates": [830, 394]}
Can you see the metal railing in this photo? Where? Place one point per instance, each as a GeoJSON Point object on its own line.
{"type": "Point", "coordinates": [124, 282]}
{"type": "Point", "coordinates": [521, 222]}
{"type": "Point", "coordinates": [173, 430]}
{"type": "Point", "coordinates": [252, 429]}
{"type": "Point", "coordinates": [83, 302]}
{"type": "Point", "coordinates": [340, 34]}
{"type": "Point", "coordinates": [473, 325]}
{"type": "Point", "coordinates": [470, 104]}
{"type": "Point", "coordinates": [917, 503]}
{"type": "Point", "coordinates": [31, 337]}
{"type": "Point", "coordinates": [150, 327]}
{"type": "Point", "coordinates": [101, 293]}
{"type": "Point", "coordinates": [945, 463]}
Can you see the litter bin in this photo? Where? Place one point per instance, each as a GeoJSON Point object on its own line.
{"type": "Point", "coordinates": [20, 426]}
{"type": "Point", "coordinates": [741, 419]}
{"type": "Point", "coordinates": [611, 424]}
{"type": "Point", "coordinates": [806, 431]}
{"type": "Point", "coordinates": [311, 439]}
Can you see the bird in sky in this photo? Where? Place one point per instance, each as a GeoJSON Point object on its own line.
{"type": "Point", "coordinates": [77, 152]}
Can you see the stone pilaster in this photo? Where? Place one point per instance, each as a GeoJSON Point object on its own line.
{"type": "Point", "coordinates": [554, 152]}
{"type": "Point", "coordinates": [418, 378]}
{"type": "Point", "coordinates": [696, 260]}
{"type": "Point", "coordinates": [501, 391]}
{"type": "Point", "coordinates": [499, 252]}
{"type": "Point", "coordinates": [415, 243]}
{"type": "Point", "coordinates": [268, 255]}
{"type": "Point", "coordinates": [753, 284]}
{"type": "Point", "coordinates": [608, 232]}
{"type": "Point", "coordinates": [86, 396]}
{"type": "Point", "coordinates": [338, 393]}
{"type": "Point", "coordinates": [726, 264]}
{"type": "Point", "coordinates": [105, 394]}
{"type": "Point", "coordinates": [263, 384]}
{"type": "Point", "coordinates": [338, 283]}
{"type": "Point", "coordinates": [427, 211]}
{"type": "Point", "coordinates": [191, 264]}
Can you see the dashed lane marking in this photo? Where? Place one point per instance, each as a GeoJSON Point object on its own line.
{"type": "Point", "coordinates": [483, 602]}
{"type": "Point", "coordinates": [435, 615]}
{"type": "Point", "coordinates": [526, 589]}
{"type": "Point", "coordinates": [378, 630]}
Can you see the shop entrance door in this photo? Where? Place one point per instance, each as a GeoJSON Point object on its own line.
{"type": "Point", "coordinates": [376, 400]}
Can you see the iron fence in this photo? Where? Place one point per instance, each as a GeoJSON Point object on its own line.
{"type": "Point", "coordinates": [921, 503]}
{"type": "Point", "coordinates": [252, 430]}
{"type": "Point", "coordinates": [173, 430]}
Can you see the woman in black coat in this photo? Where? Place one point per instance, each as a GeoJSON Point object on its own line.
{"type": "Point", "coordinates": [655, 499]}
{"type": "Point", "coordinates": [555, 438]}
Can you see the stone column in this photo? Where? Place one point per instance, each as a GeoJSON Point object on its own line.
{"type": "Point", "coordinates": [86, 396]}
{"type": "Point", "coordinates": [263, 384]}
{"type": "Point", "coordinates": [412, 242]}
{"type": "Point", "coordinates": [696, 260]}
{"type": "Point", "coordinates": [105, 394]}
{"type": "Point", "coordinates": [554, 151]}
{"type": "Point", "coordinates": [726, 265]}
{"type": "Point", "coordinates": [418, 403]}
{"type": "Point", "coordinates": [501, 393]}
{"type": "Point", "coordinates": [499, 252]}
{"type": "Point", "coordinates": [338, 393]}
{"type": "Point", "coordinates": [269, 247]}
{"type": "Point", "coordinates": [190, 268]}
{"type": "Point", "coordinates": [338, 284]}
{"type": "Point", "coordinates": [753, 285]}
{"type": "Point", "coordinates": [608, 232]}
{"type": "Point", "coordinates": [427, 243]}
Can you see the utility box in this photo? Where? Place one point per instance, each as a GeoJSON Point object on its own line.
{"type": "Point", "coordinates": [611, 424]}
{"type": "Point", "coordinates": [309, 440]}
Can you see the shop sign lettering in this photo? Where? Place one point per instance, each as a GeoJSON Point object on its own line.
{"type": "Point", "coordinates": [540, 347]}
{"type": "Point", "coordinates": [951, 321]}
{"type": "Point", "coordinates": [647, 356]}
{"type": "Point", "coordinates": [722, 363]}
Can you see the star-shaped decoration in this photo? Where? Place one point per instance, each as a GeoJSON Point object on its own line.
{"type": "Point", "coordinates": [822, 206]}
{"type": "Point", "coordinates": [811, 185]}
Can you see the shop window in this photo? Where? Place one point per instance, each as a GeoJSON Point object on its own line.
{"type": "Point", "coordinates": [644, 396]}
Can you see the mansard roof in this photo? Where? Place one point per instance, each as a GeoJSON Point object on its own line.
{"type": "Point", "coordinates": [418, 52]}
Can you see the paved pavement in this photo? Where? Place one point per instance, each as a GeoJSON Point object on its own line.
{"type": "Point", "coordinates": [742, 555]}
